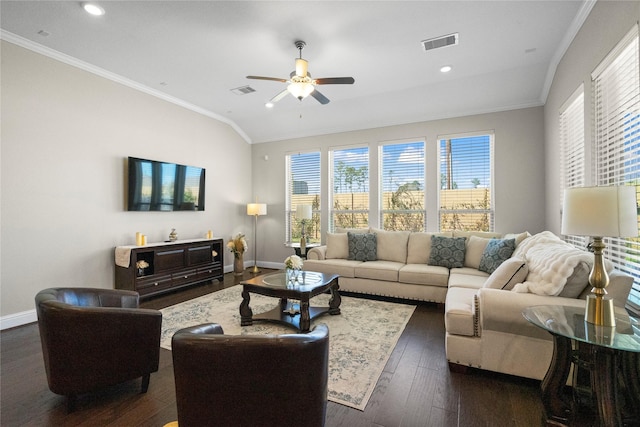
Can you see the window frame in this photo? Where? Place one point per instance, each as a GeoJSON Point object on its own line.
{"type": "Point", "coordinates": [573, 152]}
{"type": "Point", "coordinates": [613, 163]}
{"type": "Point", "coordinates": [290, 204]}
{"type": "Point", "coordinates": [420, 177]}
{"type": "Point", "coordinates": [490, 211]}
{"type": "Point", "coordinates": [331, 188]}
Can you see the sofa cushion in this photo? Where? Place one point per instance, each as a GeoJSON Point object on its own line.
{"type": "Point", "coordinates": [423, 274]}
{"type": "Point", "coordinates": [510, 272]}
{"type": "Point", "coordinates": [419, 247]}
{"type": "Point", "coordinates": [467, 277]}
{"type": "Point", "coordinates": [378, 270]}
{"type": "Point", "coordinates": [475, 248]}
{"type": "Point", "coordinates": [341, 267]}
{"type": "Point", "coordinates": [447, 251]}
{"type": "Point", "coordinates": [496, 252]}
{"type": "Point", "coordinates": [577, 282]}
{"type": "Point", "coordinates": [337, 246]}
{"type": "Point", "coordinates": [392, 245]}
{"type": "Point", "coordinates": [362, 246]}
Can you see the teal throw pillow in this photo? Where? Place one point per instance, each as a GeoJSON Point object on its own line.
{"type": "Point", "coordinates": [362, 246]}
{"type": "Point", "coordinates": [496, 252]}
{"type": "Point", "coordinates": [447, 251]}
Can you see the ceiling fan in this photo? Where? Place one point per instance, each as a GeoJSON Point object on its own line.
{"type": "Point", "coordinates": [300, 82]}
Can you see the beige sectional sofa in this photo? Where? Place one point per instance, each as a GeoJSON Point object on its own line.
{"type": "Point", "coordinates": [483, 309]}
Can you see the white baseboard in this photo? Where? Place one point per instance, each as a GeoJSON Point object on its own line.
{"type": "Point", "coordinates": [18, 319]}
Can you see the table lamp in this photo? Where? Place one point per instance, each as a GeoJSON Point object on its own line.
{"type": "Point", "coordinates": [600, 212]}
{"type": "Point", "coordinates": [256, 209]}
{"type": "Point", "coordinates": [303, 213]}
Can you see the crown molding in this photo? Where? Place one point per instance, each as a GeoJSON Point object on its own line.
{"type": "Point", "coordinates": [573, 29]}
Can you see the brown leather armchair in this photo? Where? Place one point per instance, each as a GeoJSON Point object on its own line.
{"type": "Point", "coordinates": [93, 338]}
{"type": "Point", "coordinates": [250, 380]}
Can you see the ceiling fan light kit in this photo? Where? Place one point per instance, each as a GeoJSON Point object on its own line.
{"type": "Point", "coordinates": [300, 83]}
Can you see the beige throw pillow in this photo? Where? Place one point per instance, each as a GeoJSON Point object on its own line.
{"type": "Point", "coordinates": [475, 249]}
{"type": "Point", "coordinates": [510, 272]}
{"type": "Point", "coordinates": [337, 246]}
{"type": "Point", "coordinates": [392, 245]}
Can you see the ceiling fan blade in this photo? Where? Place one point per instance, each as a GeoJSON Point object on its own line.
{"type": "Point", "coordinates": [279, 96]}
{"type": "Point", "coordinates": [320, 97]}
{"type": "Point", "coordinates": [335, 81]}
{"type": "Point", "coordinates": [275, 79]}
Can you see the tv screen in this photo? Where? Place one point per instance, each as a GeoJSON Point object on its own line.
{"type": "Point", "coordinates": [160, 186]}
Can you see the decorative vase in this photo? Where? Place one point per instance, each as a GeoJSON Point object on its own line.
{"type": "Point", "coordinates": [292, 275]}
{"type": "Point", "coordinates": [140, 271]}
{"type": "Point", "coordinates": [238, 265]}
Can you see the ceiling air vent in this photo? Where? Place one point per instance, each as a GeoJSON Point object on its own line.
{"type": "Point", "coordinates": [438, 42]}
{"type": "Point", "coordinates": [243, 90]}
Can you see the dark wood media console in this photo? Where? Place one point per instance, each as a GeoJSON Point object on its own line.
{"type": "Point", "coordinates": [170, 265]}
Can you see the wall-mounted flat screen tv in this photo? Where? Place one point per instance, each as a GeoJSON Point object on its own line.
{"type": "Point", "coordinates": [161, 186]}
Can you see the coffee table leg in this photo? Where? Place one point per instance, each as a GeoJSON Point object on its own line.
{"type": "Point", "coordinates": [305, 318]}
{"type": "Point", "coordinates": [335, 301]}
{"type": "Point", "coordinates": [246, 315]}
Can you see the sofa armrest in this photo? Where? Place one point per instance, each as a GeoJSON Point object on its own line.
{"type": "Point", "coordinates": [501, 311]}
{"type": "Point", "coordinates": [319, 253]}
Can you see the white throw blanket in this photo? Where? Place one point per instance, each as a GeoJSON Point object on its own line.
{"type": "Point", "coordinates": [551, 262]}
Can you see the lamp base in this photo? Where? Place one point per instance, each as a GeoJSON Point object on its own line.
{"type": "Point", "coordinates": [599, 311]}
{"type": "Point", "coordinates": [255, 270]}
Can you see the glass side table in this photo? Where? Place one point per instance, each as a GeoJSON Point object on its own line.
{"type": "Point", "coordinates": [611, 355]}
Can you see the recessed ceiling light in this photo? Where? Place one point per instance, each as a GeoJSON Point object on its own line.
{"type": "Point", "coordinates": [269, 105]}
{"type": "Point", "coordinates": [93, 9]}
{"type": "Point", "coordinates": [446, 69]}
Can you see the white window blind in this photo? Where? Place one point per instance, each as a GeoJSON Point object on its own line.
{"type": "Point", "coordinates": [303, 188]}
{"type": "Point", "coordinates": [350, 188]}
{"type": "Point", "coordinates": [572, 151]}
{"type": "Point", "coordinates": [616, 94]}
{"type": "Point", "coordinates": [402, 186]}
{"type": "Point", "coordinates": [466, 183]}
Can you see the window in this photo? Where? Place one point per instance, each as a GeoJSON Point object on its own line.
{"type": "Point", "coordinates": [402, 186]}
{"type": "Point", "coordinates": [616, 94]}
{"type": "Point", "coordinates": [303, 188]}
{"type": "Point", "coordinates": [572, 150]}
{"type": "Point", "coordinates": [350, 188]}
{"type": "Point", "coordinates": [466, 182]}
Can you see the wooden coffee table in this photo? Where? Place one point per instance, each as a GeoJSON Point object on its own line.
{"type": "Point", "coordinates": [299, 316]}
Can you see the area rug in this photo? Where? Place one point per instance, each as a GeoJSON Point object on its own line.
{"type": "Point", "coordinates": [361, 339]}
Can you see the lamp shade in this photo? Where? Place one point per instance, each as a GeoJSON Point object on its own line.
{"type": "Point", "coordinates": [256, 209]}
{"type": "Point", "coordinates": [600, 211]}
{"type": "Point", "coordinates": [303, 211]}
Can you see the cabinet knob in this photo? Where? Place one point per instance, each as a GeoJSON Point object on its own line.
{"type": "Point", "coordinates": [155, 284]}
{"type": "Point", "coordinates": [186, 277]}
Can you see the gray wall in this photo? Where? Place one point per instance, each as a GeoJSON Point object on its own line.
{"type": "Point", "coordinates": [519, 175]}
{"type": "Point", "coordinates": [607, 24]}
{"type": "Point", "coordinates": [65, 135]}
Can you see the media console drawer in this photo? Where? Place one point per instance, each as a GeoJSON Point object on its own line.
{"type": "Point", "coordinates": [170, 266]}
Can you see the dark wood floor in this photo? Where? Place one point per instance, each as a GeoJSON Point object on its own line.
{"type": "Point", "coordinates": [415, 389]}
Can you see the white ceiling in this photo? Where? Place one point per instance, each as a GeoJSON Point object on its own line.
{"type": "Point", "coordinates": [195, 52]}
